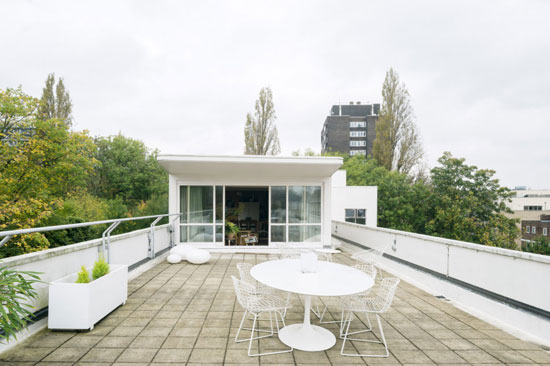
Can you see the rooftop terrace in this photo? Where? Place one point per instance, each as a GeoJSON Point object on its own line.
{"type": "Point", "coordinates": [188, 314]}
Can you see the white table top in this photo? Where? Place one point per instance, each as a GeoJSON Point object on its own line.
{"type": "Point", "coordinates": [331, 279]}
{"type": "Point", "coordinates": [327, 251]}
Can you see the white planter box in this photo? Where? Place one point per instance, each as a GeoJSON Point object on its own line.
{"type": "Point", "coordinates": [81, 305]}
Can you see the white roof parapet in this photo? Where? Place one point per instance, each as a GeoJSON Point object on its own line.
{"type": "Point", "coordinates": [276, 166]}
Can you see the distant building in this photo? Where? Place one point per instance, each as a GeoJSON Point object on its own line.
{"type": "Point", "coordinates": [530, 200]}
{"type": "Point", "coordinates": [350, 129]}
{"type": "Point", "coordinates": [532, 229]}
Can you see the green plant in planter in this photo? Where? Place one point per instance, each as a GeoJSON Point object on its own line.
{"type": "Point", "coordinates": [101, 268]}
{"type": "Point", "coordinates": [83, 275]}
{"type": "Point", "coordinates": [16, 289]}
{"type": "Point", "coordinates": [231, 229]}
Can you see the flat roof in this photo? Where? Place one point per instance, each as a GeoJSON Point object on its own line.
{"type": "Point", "coordinates": [266, 166]}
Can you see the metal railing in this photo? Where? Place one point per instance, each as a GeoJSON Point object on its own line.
{"type": "Point", "coordinates": [106, 236]}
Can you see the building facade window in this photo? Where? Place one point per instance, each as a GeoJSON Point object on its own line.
{"type": "Point", "coordinates": [528, 229]}
{"type": "Point", "coordinates": [532, 208]}
{"type": "Point", "coordinates": [295, 214]}
{"type": "Point", "coordinates": [545, 231]}
{"type": "Point", "coordinates": [534, 230]}
{"type": "Point", "coordinates": [358, 134]}
{"type": "Point", "coordinates": [356, 215]}
{"type": "Point", "coordinates": [357, 124]}
{"type": "Point", "coordinates": [357, 143]}
{"type": "Point", "coordinates": [358, 152]}
{"type": "Point", "coordinates": [202, 214]}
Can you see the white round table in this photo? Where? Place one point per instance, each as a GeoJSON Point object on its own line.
{"type": "Point", "coordinates": [331, 279]}
{"type": "Point", "coordinates": [327, 252]}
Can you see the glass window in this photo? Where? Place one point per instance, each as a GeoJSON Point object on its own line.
{"type": "Point", "coordinates": [304, 204]}
{"type": "Point", "coordinates": [545, 231]}
{"type": "Point", "coordinates": [304, 233]}
{"type": "Point", "coordinates": [183, 203]}
{"type": "Point", "coordinates": [278, 233]}
{"type": "Point", "coordinates": [358, 152]}
{"type": "Point", "coordinates": [356, 216]}
{"type": "Point", "coordinates": [534, 230]}
{"type": "Point", "coordinates": [183, 234]}
{"type": "Point", "coordinates": [200, 233]}
{"type": "Point", "coordinates": [201, 204]}
{"type": "Point", "coordinates": [278, 205]}
{"type": "Point", "coordinates": [528, 229]}
{"type": "Point", "coordinates": [219, 205]}
{"type": "Point", "coordinates": [219, 233]}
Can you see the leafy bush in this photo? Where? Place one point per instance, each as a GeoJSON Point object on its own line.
{"type": "Point", "coordinates": [538, 246]}
{"type": "Point", "coordinates": [15, 291]}
{"type": "Point", "coordinates": [83, 276]}
{"type": "Point", "coordinates": [101, 268]}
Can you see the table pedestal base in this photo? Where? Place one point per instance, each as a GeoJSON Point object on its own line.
{"type": "Point", "coordinates": [305, 336]}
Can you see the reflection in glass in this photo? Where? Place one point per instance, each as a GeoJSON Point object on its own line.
{"type": "Point", "coordinates": [361, 213]}
{"type": "Point", "coordinates": [183, 234]}
{"type": "Point", "coordinates": [278, 233]}
{"type": "Point", "coordinates": [219, 204]}
{"type": "Point", "coordinates": [183, 203]}
{"type": "Point", "coordinates": [304, 204]}
{"type": "Point", "coordinates": [350, 212]}
{"type": "Point", "coordinates": [201, 233]}
{"type": "Point", "coordinates": [219, 233]}
{"type": "Point", "coordinates": [201, 204]}
{"type": "Point", "coordinates": [304, 233]}
{"type": "Point", "coordinates": [278, 205]}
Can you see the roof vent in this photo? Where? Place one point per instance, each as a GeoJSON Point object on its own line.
{"type": "Point", "coordinates": [358, 102]}
{"type": "Point", "coordinates": [350, 103]}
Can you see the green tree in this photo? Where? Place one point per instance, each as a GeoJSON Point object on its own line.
{"type": "Point", "coordinates": [40, 162]}
{"type": "Point", "coordinates": [400, 201]}
{"type": "Point", "coordinates": [56, 104]}
{"type": "Point", "coordinates": [260, 133]}
{"type": "Point", "coordinates": [540, 245]}
{"type": "Point", "coordinates": [468, 204]}
{"type": "Point", "coordinates": [307, 152]}
{"type": "Point", "coordinates": [128, 170]}
{"type": "Point", "coordinates": [397, 144]}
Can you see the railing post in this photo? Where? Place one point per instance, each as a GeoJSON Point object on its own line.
{"type": "Point", "coordinates": [5, 240]}
{"type": "Point", "coordinates": [151, 251]}
{"type": "Point", "coordinates": [172, 231]}
{"type": "Point", "coordinates": [106, 238]}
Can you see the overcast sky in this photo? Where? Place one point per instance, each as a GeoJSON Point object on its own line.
{"type": "Point", "coordinates": [182, 75]}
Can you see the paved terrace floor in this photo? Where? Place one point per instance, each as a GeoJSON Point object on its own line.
{"type": "Point", "coordinates": [187, 314]}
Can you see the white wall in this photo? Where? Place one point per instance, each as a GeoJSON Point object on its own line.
{"type": "Point", "coordinates": [518, 203]}
{"type": "Point", "coordinates": [355, 197]}
{"type": "Point", "coordinates": [521, 276]}
{"type": "Point", "coordinates": [252, 180]}
{"type": "Point", "coordinates": [128, 248]}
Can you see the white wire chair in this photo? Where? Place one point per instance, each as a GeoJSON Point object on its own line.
{"type": "Point", "coordinates": [371, 256]}
{"type": "Point", "coordinates": [370, 270]}
{"type": "Point", "coordinates": [377, 305]}
{"type": "Point", "coordinates": [256, 303]}
{"type": "Point", "coordinates": [244, 273]}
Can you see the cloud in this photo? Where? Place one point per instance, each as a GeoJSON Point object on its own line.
{"type": "Point", "coordinates": [181, 76]}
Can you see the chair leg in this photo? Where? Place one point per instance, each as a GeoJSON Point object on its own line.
{"type": "Point", "coordinates": [327, 321]}
{"type": "Point", "coordinates": [386, 354]}
{"type": "Point", "coordinates": [253, 329]}
{"type": "Point", "coordinates": [252, 338]}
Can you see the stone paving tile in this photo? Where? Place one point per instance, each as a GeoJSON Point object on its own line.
{"type": "Point", "coordinates": [187, 314]}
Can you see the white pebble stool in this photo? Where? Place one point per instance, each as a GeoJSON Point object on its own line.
{"type": "Point", "coordinates": [198, 256]}
{"type": "Point", "coordinates": [173, 258]}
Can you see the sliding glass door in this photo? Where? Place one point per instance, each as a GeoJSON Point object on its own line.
{"type": "Point", "coordinates": [202, 214]}
{"type": "Point", "coordinates": [296, 213]}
